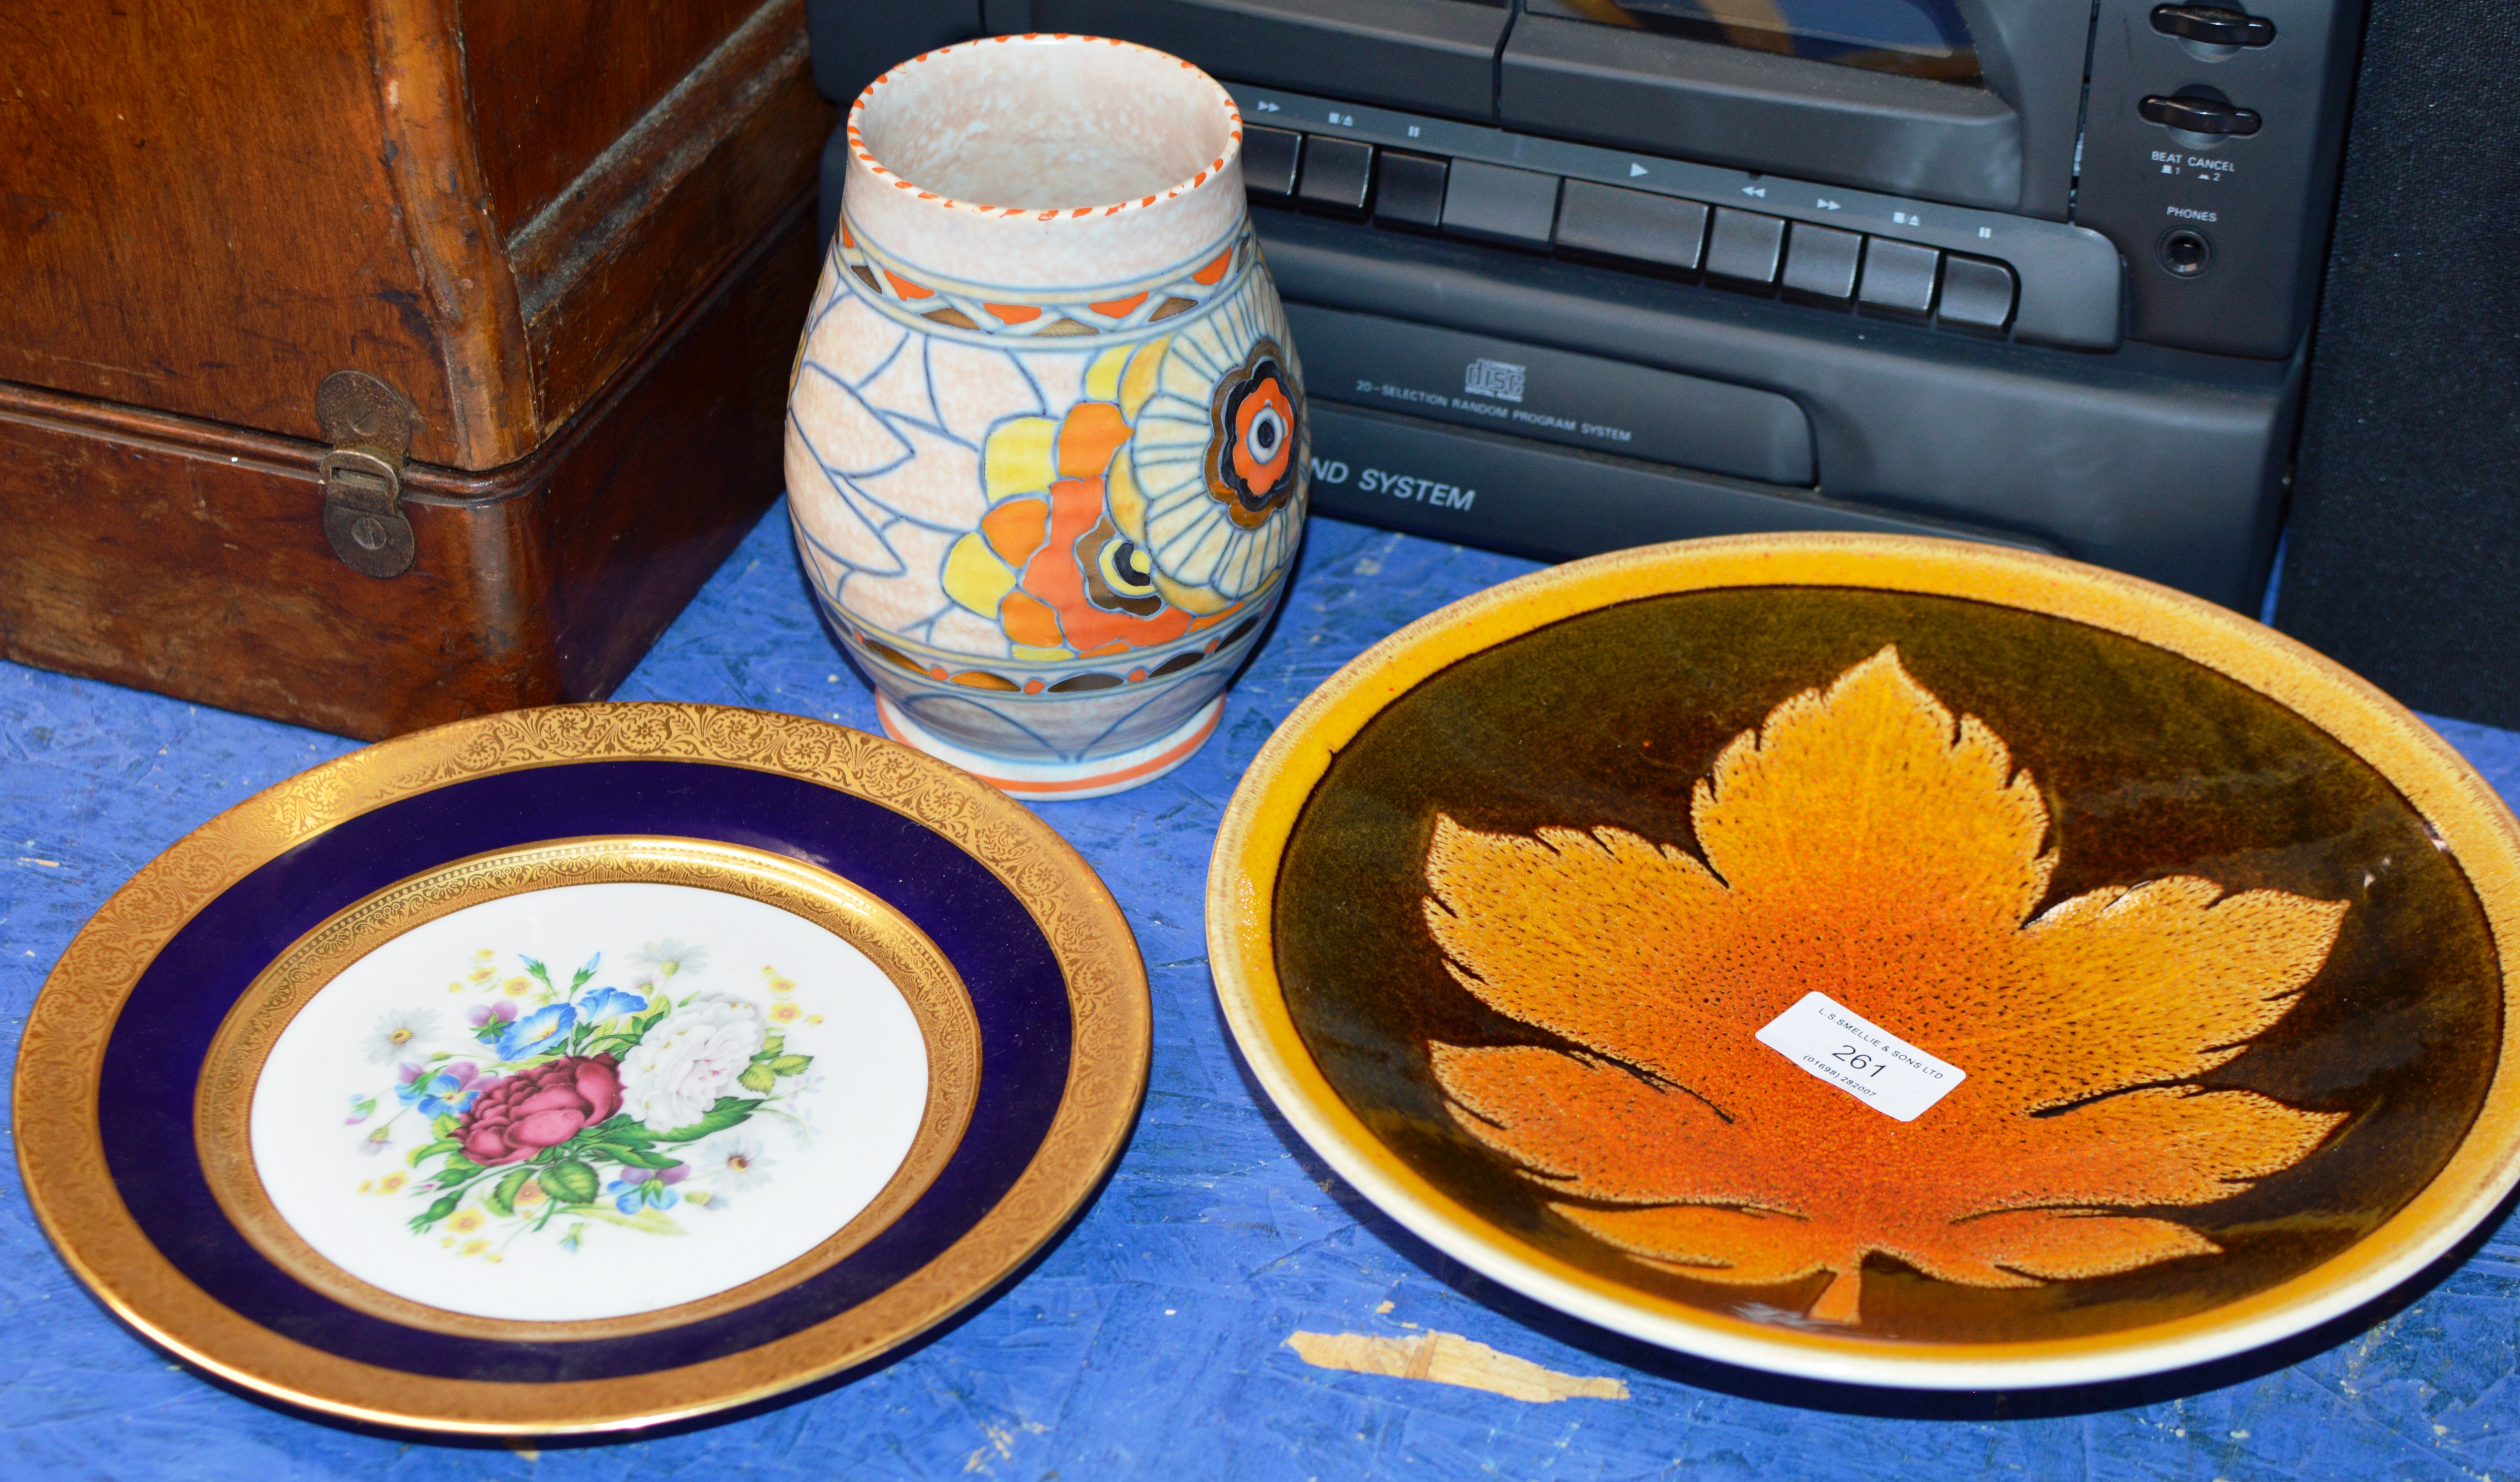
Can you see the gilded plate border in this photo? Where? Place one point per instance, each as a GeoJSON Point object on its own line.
{"type": "Point", "coordinates": [2472, 823]}
{"type": "Point", "coordinates": [223, 1104]}
{"type": "Point", "coordinates": [61, 1151]}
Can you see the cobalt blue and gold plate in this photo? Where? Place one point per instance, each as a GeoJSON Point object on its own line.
{"type": "Point", "coordinates": [581, 1068]}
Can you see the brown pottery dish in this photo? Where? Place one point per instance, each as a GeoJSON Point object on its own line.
{"type": "Point", "coordinates": [1882, 960]}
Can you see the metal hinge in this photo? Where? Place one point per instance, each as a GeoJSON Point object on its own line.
{"type": "Point", "coordinates": [370, 425]}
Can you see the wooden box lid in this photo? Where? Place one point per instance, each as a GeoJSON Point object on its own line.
{"type": "Point", "coordinates": [493, 206]}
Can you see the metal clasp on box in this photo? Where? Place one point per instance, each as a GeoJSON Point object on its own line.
{"type": "Point", "coordinates": [370, 425]}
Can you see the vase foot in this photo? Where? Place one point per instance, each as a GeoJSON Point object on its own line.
{"type": "Point", "coordinates": [1061, 782]}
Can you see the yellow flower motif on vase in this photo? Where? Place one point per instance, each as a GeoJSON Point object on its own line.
{"type": "Point", "coordinates": [1157, 507]}
{"type": "Point", "coordinates": [390, 1184]}
{"type": "Point", "coordinates": [518, 987]}
{"type": "Point", "coordinates": [465, 1221]}
{"type": "Point", "coordinates": [784, 1014]}
{"type": "Point", "coordinates": [475, 1246]}
{"type": "Point", "coordinates": [1048, 562]}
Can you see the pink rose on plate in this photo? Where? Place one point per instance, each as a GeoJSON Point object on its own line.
{"type": "Point", "coordinates": [679, 1069]}
{"type": "Point", "coordinates": [519, 1115]}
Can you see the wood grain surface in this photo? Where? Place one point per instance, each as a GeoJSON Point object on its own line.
{"type": "Point", "coordinates": [495, 207]}
{"type": "Point", "coordinates": [554, 82]}
{"type": "Point", "coordinates": [188, 558]}
{"type": "Point", "coordinates": [661, 210]}
{"type": "Point", "coordinates": [440, 200]}
{"type": "Point", "coordinates": [196, 213]}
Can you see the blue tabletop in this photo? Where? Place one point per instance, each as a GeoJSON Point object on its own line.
{"type": "Point", "coordinates": [1151, 1340]}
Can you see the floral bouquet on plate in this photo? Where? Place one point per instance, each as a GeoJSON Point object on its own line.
{"type": "Point", "coordinates": [603, 1105]}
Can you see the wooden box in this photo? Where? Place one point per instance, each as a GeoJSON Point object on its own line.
{"type": "Point", "coordinates": [571, 241]}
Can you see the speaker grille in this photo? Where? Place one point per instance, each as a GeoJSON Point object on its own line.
{"type": "Point", "coordinates": [2403, 556]}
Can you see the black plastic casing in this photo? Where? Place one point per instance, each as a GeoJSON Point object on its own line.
{"type": "Point", "coordinates": [1426, 56]}
{"type": "Point", "coordinates": [1574, 79]}
{"type": "Point", "coordinates": [854, 42]}
{"type": "Point", "coordinates": [2262, 202]}
{"type": "Point", "coordinates": [2153, 436]}
{"type": "Point", "coordinates": [2162, 463]}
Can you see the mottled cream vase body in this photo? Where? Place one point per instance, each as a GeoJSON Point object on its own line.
{"type": "Point", "coordinates": [1046, 451]}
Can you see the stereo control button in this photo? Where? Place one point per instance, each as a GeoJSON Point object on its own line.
{"type": "Point", "coordinates": [1898, 275]}
{"type": "Point", "coordinates": [2199, 116]}
{"type": "Point", "coordinates": [1820, 261]}
{"type": "Point", "coordinates": [1615, 223]}
{"type": "Point", "coordinates": [1411, 191]}
{"type": "Point", "coordinates": [1499, 204]}
{"type": "Point", "coordinates": [2212, 24]}
{"type": "Point", "coordinates": [1269, 161]}
{"type": "Point", "coordinates": [1746, 245]}
{"type": "Point", "coordinates": [1976, 292]}
{"type": "Point", "coordinates": [1339, 173]}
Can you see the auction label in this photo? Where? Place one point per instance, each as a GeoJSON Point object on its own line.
{"type": "Point", "coordinates": [1851, 1053]}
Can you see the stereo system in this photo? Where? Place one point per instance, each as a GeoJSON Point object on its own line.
{"type": "Point", "coordinates": [1571, 275]}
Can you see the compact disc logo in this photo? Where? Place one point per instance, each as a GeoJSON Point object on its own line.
{"type": "Point", "coordinates": [1493, 378]}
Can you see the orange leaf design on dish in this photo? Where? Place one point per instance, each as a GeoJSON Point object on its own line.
{"type": "Point", "coordinates": [1863, 844]}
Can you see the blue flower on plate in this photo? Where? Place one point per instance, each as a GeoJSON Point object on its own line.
{"type": "Point", "coordinates": [447, 1091]}
{"type": "Point", "coordinates": [644, 1186]}
{"type": "Point", "coordinates": [605, 1003]}
{"type": "Point", "coordinates": [537, 1032]}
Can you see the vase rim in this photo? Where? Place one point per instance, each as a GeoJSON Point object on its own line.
{"type": "Point", "coordinates": [1209, 175]}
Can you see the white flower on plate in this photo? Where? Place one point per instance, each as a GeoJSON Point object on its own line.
{"type": "Point", "coordinates": [398, 1032]}
{"type": "Point", "coordinates": [662, 959]}
{"type": "Point", "coordinates": [732, 1162]}
{"type": "Point", "coordinates": [678, 1070]}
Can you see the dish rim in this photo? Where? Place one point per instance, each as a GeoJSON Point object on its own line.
{"type": "Point", "coordinates": [2473, 824]}
{"type": "Point", "coordinates": [60, 1146]}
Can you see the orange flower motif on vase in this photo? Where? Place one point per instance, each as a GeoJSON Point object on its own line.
{"type": "Point", "coordinates": [1065, 580]}
{"type": "Point", "coordinates": [1149, 512]}
{"type": "Point", "coordinates": [1251, 459]}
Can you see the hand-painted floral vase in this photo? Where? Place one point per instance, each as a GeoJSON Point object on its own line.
{"type": "Point", "coordinates": [1047, 459]}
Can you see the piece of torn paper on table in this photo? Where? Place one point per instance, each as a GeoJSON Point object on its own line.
{"type": "Point", "coordinates": [1447, 1357]}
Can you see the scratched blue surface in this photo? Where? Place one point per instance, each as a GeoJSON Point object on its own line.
{"type": "Point", "coordinates": [1149, 1341]}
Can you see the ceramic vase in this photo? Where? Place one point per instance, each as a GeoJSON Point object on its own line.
{"type": "Point", "coordinates": [1047, 458]}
